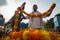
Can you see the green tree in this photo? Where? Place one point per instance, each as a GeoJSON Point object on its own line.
{"type": "Point", "coordinates": [49, 23]}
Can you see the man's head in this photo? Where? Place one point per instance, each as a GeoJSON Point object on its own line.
{"type": "Point", "coordinates": [1, 16]}
{"type": "Point", "coordinates": [35, 7]}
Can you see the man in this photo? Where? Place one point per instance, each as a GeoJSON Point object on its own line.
{"type": "Point", "coordinates": [35, 18]}
{"type": "Point", "coordinates": [2, 21]}
{"type": "Point", "coordinates": [36, 21]}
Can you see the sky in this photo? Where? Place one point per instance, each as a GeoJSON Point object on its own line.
{"type": "Point", "coordinates": [8, 7]}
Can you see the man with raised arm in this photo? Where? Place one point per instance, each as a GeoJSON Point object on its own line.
{"type": "Point", "coordinates": [35, 17]}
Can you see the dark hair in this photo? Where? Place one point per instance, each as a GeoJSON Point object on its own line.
{"type": "Point", "coordinates": [35, 6]}
{"type": "Point", "coordinates": [1, 16]}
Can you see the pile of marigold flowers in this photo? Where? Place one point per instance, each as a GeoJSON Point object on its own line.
{"type": "Point", "coordinates": [33, 34]}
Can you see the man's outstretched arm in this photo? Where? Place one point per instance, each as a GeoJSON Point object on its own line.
{"type": "Point", "coordinates": [31, 15]}
{"type": "Point", "coordinates": [49, 11]}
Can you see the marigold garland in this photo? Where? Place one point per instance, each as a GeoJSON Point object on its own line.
{"type": "Point", "coordinates": [33, 34]}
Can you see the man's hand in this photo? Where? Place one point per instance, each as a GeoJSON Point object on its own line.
{"type": "Point", "coordinates": [23, 4]}
{"type": "Point", "coordinates": [19, 8]}
{"type": "Point", "coordinates": [53, 5]}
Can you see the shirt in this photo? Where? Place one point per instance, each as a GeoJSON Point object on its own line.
{"type": "Point", "coordinates": [2, 20]}
{"type": "Point", "coordinates": [35, 22]}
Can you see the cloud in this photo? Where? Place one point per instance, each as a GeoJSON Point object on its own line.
{"type": "Point", "coordinates": [3, 2]}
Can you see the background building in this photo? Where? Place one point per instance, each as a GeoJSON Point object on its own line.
{"type": "Point", "coordinates": [57, 22]}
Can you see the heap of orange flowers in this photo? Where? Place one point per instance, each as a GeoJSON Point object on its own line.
{"type": "Point", "coordinates": [33, 34]}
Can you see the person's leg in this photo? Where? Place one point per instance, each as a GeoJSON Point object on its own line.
{"type": "Point", "coordinates": [1, 31]}
{"type": "Point", "coordinates": [1, 34]}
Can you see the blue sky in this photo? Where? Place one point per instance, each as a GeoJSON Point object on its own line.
{"type": "Point", "coordinates": [8, 7]}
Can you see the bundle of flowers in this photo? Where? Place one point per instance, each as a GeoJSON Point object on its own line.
{"type": "Point", "coordinates": [33, 34]}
